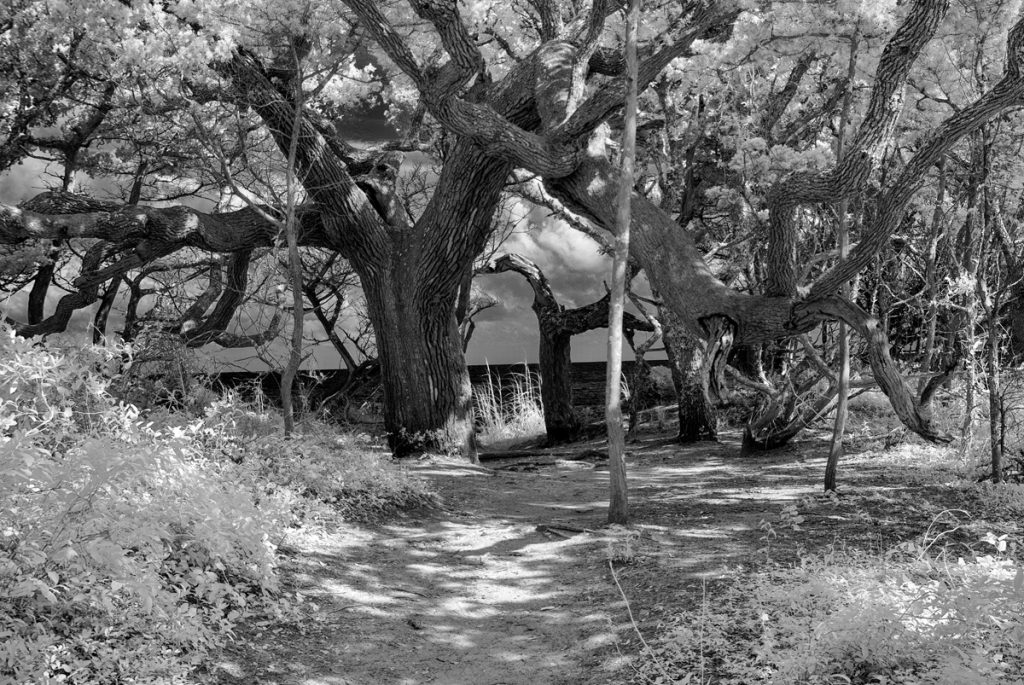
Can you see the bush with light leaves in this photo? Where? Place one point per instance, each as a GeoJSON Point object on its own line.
{"type": "Point", "coordinates": [130, 545]}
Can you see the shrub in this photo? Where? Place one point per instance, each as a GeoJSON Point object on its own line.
{"type": "Point", "coordinates": [916, 461]}
{"type": "Point", "coordinates": [121, 561]}
{"type": "Point", "coordinates": [52, 395]}
{"type": "Point", "coordinates": [1002, 500]}
{"type": "Point", "coordinates": [132, 543]}
{"type": "Point", "coordinates": [346, 472]}
{"type": "Point", "coordinates": [908, 616]}
{"type": "Point", "coordinates": [123, 557]}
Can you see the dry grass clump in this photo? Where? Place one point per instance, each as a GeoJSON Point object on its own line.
{"type": "Point", "coordinates": [510, 411]}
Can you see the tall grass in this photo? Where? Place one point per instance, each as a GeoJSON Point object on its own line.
{"type": "Point", "coordinates": [509, 410]}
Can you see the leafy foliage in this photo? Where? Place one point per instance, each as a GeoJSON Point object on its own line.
{"type": "Point", "coordinates": [925, 611]}
{"type": "Point", "coordinates": [128, 549]}
{"type": "Point", "coordinates": [347, 472]}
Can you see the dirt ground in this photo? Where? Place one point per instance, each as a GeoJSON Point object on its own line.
{"type": "Point", "coordinates": [490, 590]}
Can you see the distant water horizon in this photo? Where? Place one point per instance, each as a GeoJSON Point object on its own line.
{"type": "Point", "coordinates": [588, 378]}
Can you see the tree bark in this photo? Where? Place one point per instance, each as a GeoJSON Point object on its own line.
{"type": "Point", "coordinates": [99, 321]}
{"type": "Point", "coordinates": [783, 422]}
{"type": "Point", "coordinates": [698, 416]}
{"type": "Point", "coordinates": [426, 385]}
{"type": "Point", "coordinates": [835, 452]}
{"type": "Point", "coordinates": [40, 287]}
{"type": "Point", "coordinates": [931, 280]}
{"type": "Point", "coordinates": [618, 501]}
{"type": "Point", "coordinates": [294, 261]}
{"type": "Point", "coordinates": [560, 421]}
{"type": "Point", "coordinates": [995, 407]}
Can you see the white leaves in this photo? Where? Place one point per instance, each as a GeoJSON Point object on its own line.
{"type": "Point", "coordinates": [351, 84]}
{"type": "Point", "coordinates": [999, 542]}
{"type": "Point", "coordinates": [963, 283]}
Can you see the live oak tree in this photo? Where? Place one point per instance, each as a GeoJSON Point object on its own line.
{"type": "Point", "coordinates": [511, 87]}
{"type": "Point", "coordinates": [405, 267]}
{"type": "Point", "coordinates": [584, 178]}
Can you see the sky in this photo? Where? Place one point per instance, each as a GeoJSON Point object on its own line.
{"type": "Point", "coordinates": [505, 334]}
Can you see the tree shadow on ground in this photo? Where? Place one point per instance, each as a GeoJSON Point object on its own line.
{"type": "Point", "coordinates": [477, 594]}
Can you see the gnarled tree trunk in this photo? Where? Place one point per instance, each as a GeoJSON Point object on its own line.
{"type": "Point", "coordinates": [698, 416]}
{"type": "Point", "coordinates": [426, 385]}
{"type": "Point", "coordinates": [555, 359]}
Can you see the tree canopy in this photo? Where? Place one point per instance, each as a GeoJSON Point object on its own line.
{"type": "Point", "coordinates": [739, 116]}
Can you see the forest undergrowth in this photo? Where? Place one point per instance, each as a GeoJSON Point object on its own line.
{"type": "Point", "coordinates": [913, 575]}
{"type": "Point", "coordinates": [132, 544]}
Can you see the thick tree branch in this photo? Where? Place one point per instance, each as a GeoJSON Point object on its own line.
{"type": "Point", "coordinates": [550, 18]}
{"type": "Point", "coordinates": [466, 57]}
{"type": "Point", "coordinates": [350, 221]}
{"type": "Point", "coordinates": [390, 40]}
{"type": "Point", "coordinates": [210, 328]}
{"type": "Point", "coordinates": [179, 225]}
{"type": "Point", "coordinates": [914, 414]}
{"type": "Point", "coordinates": [779, 100]}
{"type": "Point", "coordinates": [853, 171]}
{"type": "Point", "coordinates": [1007, 94]}
{"type": "Point", "coordinates": [553, 315]}
{"type": "Point", "coordinates": [500, 138]}
{"type": "Point", "coordinates": [610, 97]}
{"type": "Point", "coordinates": [240, 340]}
{"type": "Point", "coordinates": [210, 294]}
{"type": "Point", "coordinates": [69, 304]}
{"type": "Point", "coordinates": [532, 190]}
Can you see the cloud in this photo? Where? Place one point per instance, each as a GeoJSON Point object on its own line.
{"type": "Point", "coordinates": [574, 267]}
{"type": "Point", "coordinates": [572, 262]}
{"type": "Point", "coordinates": [577, 272]}
{"type": "Point", "coordinates": [22, 181]}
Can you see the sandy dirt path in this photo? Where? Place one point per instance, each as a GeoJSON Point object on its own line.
{"type": "Point", "coordinates": [476, 594]}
